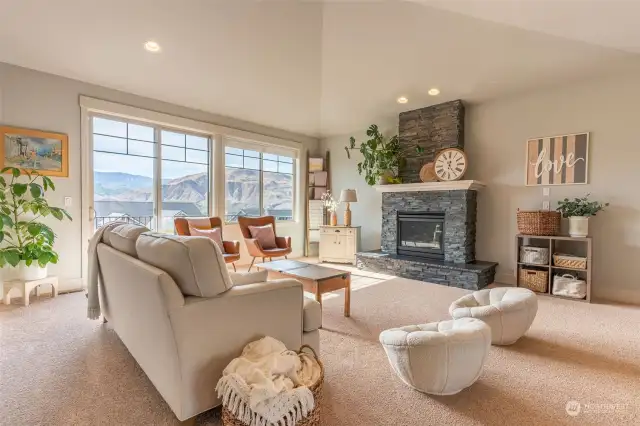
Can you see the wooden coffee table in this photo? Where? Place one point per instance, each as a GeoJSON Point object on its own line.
{"type": "Point", "coordinates": [315, 279]}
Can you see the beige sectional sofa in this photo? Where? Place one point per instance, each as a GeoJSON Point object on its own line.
{"type": "Point", "coordinates": [184, 317]}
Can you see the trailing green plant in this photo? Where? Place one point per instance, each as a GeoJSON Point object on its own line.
{"type": "Point", "coordinates": [580, 207]}
{"type": "Point", "coordinates": [22, 203]}
{"type": "Point", "coordinates": [381, 156]}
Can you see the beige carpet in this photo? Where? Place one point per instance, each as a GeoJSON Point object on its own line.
{"type": "Point", "coordinates": [57, 368]}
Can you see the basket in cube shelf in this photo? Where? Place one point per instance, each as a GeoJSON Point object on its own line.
{"type": "Point", "coordinates": [534, 255]}
{"type": "Point", "coordinates": [534, 279]}
{"type": "Point", "coordinates": [540, 222]}
{"type": "Point", "coordinates": [569, 261]}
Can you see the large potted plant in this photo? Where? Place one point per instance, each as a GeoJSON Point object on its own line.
{"type": "Point", "coordinates": [26, 242]}
{"type": "Point", "coordinates": [382, 156]}
{"type": "Point", "coordinates": [579, 210]}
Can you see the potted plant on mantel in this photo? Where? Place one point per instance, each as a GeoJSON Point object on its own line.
{"type": "Point", "coordinates": [27, 243]}
{"type": "Point", "coordinates": [578, 211]}
{"type": "Point", "coordinates": [382, 157]}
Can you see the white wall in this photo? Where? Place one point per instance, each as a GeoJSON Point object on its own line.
{"type": "Point", "coordinates": [344, 174]}
{"type": "Point", "coordinates": [495, 143]}
{"type": "Point", "coordinates": [43, 101]}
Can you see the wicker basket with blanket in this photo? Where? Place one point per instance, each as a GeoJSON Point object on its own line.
{"type": "Point", "coordinates": [244, 416]}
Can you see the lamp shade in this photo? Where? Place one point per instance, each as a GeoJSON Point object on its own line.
{"type": "Point", "coordinates": [348, 196]}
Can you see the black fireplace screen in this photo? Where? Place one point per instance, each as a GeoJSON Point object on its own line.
{"type": "Point", "coordinates": [421, 234]}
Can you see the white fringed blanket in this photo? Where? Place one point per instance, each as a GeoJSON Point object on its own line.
{"type": "Point", "coordinates": [267, 384]}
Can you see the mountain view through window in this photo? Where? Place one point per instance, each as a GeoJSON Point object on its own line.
{"type": "Point", "coordinates": [258, 184]}
{"type": "Point", "coordinates": [125, 183]}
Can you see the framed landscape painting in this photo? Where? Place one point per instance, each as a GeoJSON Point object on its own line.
{"type": "Point", "coordinates": [558, 160]}
{"type": "Point", "coordinates": [33, 150]}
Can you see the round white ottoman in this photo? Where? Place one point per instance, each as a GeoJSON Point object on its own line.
{"type": "Point", "coordinates": [508, 311]}
{"type": "Point", "coordinates": [440, 358]}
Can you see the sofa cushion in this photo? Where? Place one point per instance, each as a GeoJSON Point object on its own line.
{"type": "Point", "coordinates": [243, 278]}
{"type": "Point", "coordinates": [123, 237]}
{"type": "Point", "coordinates": [311, 315]}
{"type": "Point", "coordinates": [265, 235]}
{"type": "Point", "coordinates": [214, 233]}
{"type": "Point", "coordinates": [196, 264]}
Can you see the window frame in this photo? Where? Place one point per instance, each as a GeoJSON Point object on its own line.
{"type": "Point", "coordinates": [90, 106]}
{"type": "Point", "coordinates": [157, 157]}
{"type": "Point", "coordinates": [257, 148]}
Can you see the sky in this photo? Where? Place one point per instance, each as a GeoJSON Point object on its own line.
{"type": "Point", "coordinates": [112, 135]}
{"type": "Point", "coordinates": [143, 166]}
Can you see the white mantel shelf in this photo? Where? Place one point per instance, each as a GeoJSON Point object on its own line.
{"type": "Point", "coordinates": [456, 185]}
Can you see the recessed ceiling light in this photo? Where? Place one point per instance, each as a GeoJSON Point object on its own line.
{"type": "Point", "coordinates": [434, 92]}
{"type": "Point", "coordinates": [402, 100]}
{"type": "Point", "coordinates": [152, 46]}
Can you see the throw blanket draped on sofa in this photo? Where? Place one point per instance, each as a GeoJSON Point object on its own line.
{"type": "Point", "coordinates": [268, 383]}
{"type": "Point", "coordinates": [94, 278]}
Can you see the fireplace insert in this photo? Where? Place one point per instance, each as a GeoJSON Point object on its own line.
{"type": "Point", "coordinates": [421, 234]}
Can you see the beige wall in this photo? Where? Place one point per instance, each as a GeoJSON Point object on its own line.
{"type": "Point", "coordinates": [495, 143]}
{"type": "Point", "coordinates": [43, 101]}
{"type": "Point", "coordinates": [344, 174]}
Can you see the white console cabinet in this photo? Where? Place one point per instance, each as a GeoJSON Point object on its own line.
{"type": "Point", "coordinates": [339, 243]}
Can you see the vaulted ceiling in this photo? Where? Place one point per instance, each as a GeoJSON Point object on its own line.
{"type": "Point", "coordinates": [321, 68]}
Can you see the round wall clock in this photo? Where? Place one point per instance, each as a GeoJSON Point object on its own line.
{"type": "Point", "coordinates": [450, 164]}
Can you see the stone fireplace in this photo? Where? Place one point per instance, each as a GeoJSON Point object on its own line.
{"type": "Point", "coordinates": [457, 210]}
{"type": "Point", "coordinates": [429, 229]}
{"type": "Point", "coordinates": [420, 234]}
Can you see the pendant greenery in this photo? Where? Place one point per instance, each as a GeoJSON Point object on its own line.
{"type": "Point", "coordinates": [381, 156]}
{"type": "Point", "coordinates": [22, 203]}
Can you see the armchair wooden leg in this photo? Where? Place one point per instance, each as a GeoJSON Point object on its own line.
{"type": "Point", "coordinates": [252, 260]}
{"type": "Point", "coordinates": [285, 257]}
{"type": "Point", "coordinates": [234, 267]}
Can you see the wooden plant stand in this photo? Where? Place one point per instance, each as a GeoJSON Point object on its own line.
{"type": "Point", "coordinates": [25, 287]}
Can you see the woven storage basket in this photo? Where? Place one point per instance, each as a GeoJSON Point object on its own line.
{"type": "Point", "coordinates": [534, 279]}
{"type": "Point", "coordinates": [312, 419]}
{"type": "Point", "coordinates": [535, 255]}
{"type": "Point", "coordinates": [569, 261]}
{"type": "Point", "coordinates": [540, 222]}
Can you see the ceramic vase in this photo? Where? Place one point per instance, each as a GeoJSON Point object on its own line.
{"type": "Point", "coordinates": [334, 218]}
{"type": "Point", "coordinates": [579, 226]}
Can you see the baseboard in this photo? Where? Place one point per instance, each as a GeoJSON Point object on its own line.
{"type": "Point", "coordinates": [623, 296]}
{"type": "Point", "coordinates": [506, 279]}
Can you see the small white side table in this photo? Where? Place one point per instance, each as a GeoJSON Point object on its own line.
{"type": "Point", "coordinates": [25, 287]}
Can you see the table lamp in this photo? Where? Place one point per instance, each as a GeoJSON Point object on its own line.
{"type": "Point", "coordinates": [348, 196]}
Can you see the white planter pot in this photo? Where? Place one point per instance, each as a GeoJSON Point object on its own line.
{"type": "Point", "coordinates": [31, 273]}
{"type": "Point", "coordinates": [579, 226]}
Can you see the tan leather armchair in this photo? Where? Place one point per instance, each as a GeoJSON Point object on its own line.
{"type": "Point", "coordinates": [231, 248]}
{"type": "Point", "coordinates": [253, 246]}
